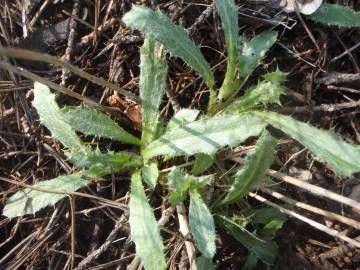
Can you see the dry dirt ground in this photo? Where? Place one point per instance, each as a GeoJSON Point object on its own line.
{"type": "Point", "coordinates": [95, 39]}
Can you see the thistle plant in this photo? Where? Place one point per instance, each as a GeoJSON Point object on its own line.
{"type": "Point", "coordinates": [229, 121]}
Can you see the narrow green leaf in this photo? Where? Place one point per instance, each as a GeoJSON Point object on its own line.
{"type": "Point", "coordinates": [265, 92]}
{"type": "Point", "coordinates": [264, 250]}
{"type": "Point", "coordinates": [202, 225]}
{"type": "Point", "coordinates": [334, 14]}
{"type": "Point", "coordinates": [248, 177]}
{"type": "Point", "coordinates": [152, 85]}
{"type": "Point", "coordinates": [174, 38]}
{"type": "Point", "coordinates": [254, 51]}
{"type": "Point", "coordinates": [228, 12]}
{"type": "Point", "coordinates": [176, 179]}
{"type": "Point", "coordinates": [182, 117]}
{"type": "Point", "coordinates": [29, 201]}
{"type": "Point", "coordinates": [206, 135]}
{"type": "Point", "coordinates": [93, 122]}
{"type": "Point", "coordinates": [179, 184]}
{"type": "Point", "coordinates": [145, 230]}
{"type": "Point", "coordinates": [52, 118]}
{"type": "Point", "coordinates": [268, 232]}
{"type": "Point", "coordinates": [113, 162]}
{"type": "Point", "coordinates": [203, 263]}
{"type": "Point", "coordinates": [150, 174]}
{"type": "Point", "coordinates": [265, 215]}
{"type": "Point", "coordinates": [251, 261]}
{"type": "Point", "coordinates": [202, 163]}
{"type": "Point", "coordinates": [342, 156]}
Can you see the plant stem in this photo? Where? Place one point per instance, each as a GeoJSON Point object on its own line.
{"type": "Point", "coordinates": [227, 85]}
{"type": "Point", "coordinates": [236, 86]}
{"type": "Point", "coordinates": [212, 101]}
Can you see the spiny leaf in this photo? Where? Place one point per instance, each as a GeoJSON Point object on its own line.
{"type": "Point", "coordinates": [334, 14]}
{"type": "Point", "coordinates": [150, 174]}
{"type": "Point", "coordinates": [342, 156]}
{"type": "Point", "coordinates": [276, 77]}
{"type": "Point", "coordinates": [109, 161]}
{"type": "Point", "coordinates": [93, 122]}
{"type": "Point", "coordinates": [202, 225]}
{"type": "Point", "coordinates": [53, 119]}
{"type": "Point", "coordinates": [254, 171]}
{"type": "Point", "coordinates": [145, 230]}
{"type": "Point", "coordinates": [199, 182]}
{"type": "Point", "coordinates": [182, 117]}
{"type": "Point", "coordinates": [180, 182]}
{"type": "Point", "coordinates": [174, 38]}
{"type": "Point", "coordinates": [254, 51]}
{"type": "Point", "coordinates": [265, 92]}
{"type": "Point", "coordinates": [206, 135]}
{"type": "Point", "coordinates": [202, 163]}
{"type": "Point", "coordinates": [152, 85]}
{"type": "Point", "coordinates": [264, 250]}
{"type": "Point", "coordinates": [57, 121]}
{"type": "Point", "coordinates": [29, 201]}
{"type": "Point", "coordinates": [113, 162]}
{"type": "Point", "coordinates": [239, 218]}
{"type": "Point", "coordinates": [228, 12]}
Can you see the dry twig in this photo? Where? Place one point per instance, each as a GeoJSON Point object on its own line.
{"type": "Point", "coordinates": [311, 222]}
